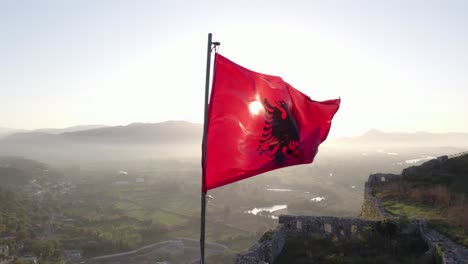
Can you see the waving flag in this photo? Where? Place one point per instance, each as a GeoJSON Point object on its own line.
{"type": "Point", "coordinates": [257, 123]}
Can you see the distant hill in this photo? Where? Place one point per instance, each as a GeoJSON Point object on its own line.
{"type": "Point", "coordinates": [13, 177]}
{"type": "Point", "coordinates": [175, 139]}
{"type": "Point", "coordinates": [68, 129]}
{"type": "Point", "coordinates": [376, 138]}
{"type": "Point", "coordinates": [178, 131]}
{"type": "Point", "coordinates": [29, 137]}
{"type": "Point", "coordinates": [16, 172]}
{"type": "Point", "coordinates": [181, 131]}
{"type": "Point", "coordinates": [135, 141]}
{"type": "Point", "coordinates": [8, 131]}
{"type": "Point", "coordinates": [170, 131]}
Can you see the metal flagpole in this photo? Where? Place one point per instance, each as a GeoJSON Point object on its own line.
{"type": "Point", "coordinates": [205, 128]}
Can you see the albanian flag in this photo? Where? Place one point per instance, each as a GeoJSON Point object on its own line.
{"type": "Point", "coordinates": [257, 123]}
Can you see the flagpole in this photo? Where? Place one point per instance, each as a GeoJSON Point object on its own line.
{"type": "Point", "coordinates": [205, 128]}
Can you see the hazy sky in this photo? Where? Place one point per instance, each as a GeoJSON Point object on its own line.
{"type": "Point", "coordinates": [397, 65]}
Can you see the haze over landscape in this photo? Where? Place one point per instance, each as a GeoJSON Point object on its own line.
{"type": "Point", "coordinates": [101, 121]}
{"type": "Point", "coordinates": [398, 66]}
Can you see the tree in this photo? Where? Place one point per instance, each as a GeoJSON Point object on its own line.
{"type": "Point", "coordinates": [18, 261]}
{"type": "Point", "coordinates": [43, 248]}
{"type": "Point", "coordinates": [21, 235]}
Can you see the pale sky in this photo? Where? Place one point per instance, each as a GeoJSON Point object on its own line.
{"type": "Point", "coordinates": [397, 65]}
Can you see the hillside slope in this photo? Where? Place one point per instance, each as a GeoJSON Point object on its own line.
{"type": "Point", "coordinates": [435, 191]}
{"type": "Point", "coordinates": [449, 172]}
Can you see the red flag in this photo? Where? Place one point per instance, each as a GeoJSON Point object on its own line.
{"type": "Point", "coordinates": [258, 123]}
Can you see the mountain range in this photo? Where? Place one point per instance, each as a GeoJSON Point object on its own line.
{"type": "Point", "coordinates": [169, 131]}
{"type": "Point", "coordinates": [106, 143]}
{"type": "Point", "coordinates": [69, 129]}
{"type": "Point", "coordinates": [399, 139]}
{"type": "Point", "coordinates": [179, 138]}
{"type": "Point", "coordinates": [182, 131]}
{"type": "Point", "coordinates": [9, 131]}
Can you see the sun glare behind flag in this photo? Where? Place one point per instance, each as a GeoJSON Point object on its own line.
{"type": "Point", "coordinates": [257, 123]}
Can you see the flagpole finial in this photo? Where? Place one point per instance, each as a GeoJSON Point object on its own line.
{"type": "Point", "coordinates": [215, 46]}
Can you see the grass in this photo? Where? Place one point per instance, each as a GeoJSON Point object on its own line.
{"type": "Point", "coordinates": [439, 254]}
{"type": "Point", "coordinates": [138, 214]}
{"type": "Point", "coordinates": [437, 217]}
{"type": "Point", "coordinates": [125, 206]}
{"type": "Point", "coordinates": [187, 207]}
{"type": "Point", "coordinates": [167, 218]}
{"type": "Point", "coordinates": [401, 208]}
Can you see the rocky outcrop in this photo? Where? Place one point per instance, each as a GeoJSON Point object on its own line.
{"type": "Point", "coordinates": [431, 166]}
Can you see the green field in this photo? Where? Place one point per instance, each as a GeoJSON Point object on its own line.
{"type": "Point", "coordinates": [436, 217]}
{"type": "Point", "coordinates": [108, 219]}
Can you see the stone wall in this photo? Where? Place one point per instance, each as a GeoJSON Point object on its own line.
{"type": "Point", "coordinates": [450, 252]}
{"type": "Point", "coordinates": [268, 248]}
{"type": "Point", "coordinates": [324, 226]}
{"type": "Point", "coordinates": [371, 206]}
{"type": "Point", "coordinates": [378, 178]}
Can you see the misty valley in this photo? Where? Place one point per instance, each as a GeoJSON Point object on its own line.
{"type": "Point", "coordinates": [82, 206]}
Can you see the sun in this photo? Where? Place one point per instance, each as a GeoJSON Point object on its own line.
{"type": "Point", "coordinates": [255, 107]}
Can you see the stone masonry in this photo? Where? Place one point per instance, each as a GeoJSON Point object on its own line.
{"type": "Point", "coordinates": [371, 206]}
{"type": "Point", "coordinates": [270, 245]}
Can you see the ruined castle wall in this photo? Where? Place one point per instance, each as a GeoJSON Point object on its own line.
{"type": "Point", "coordinates": [266, 250]}
{"type": "Point", "coordinates": [371, 206]}
{"type": "Point", "coordinates": [271, 244]}
{"type": "Point", "coordinates": [324, 226]}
